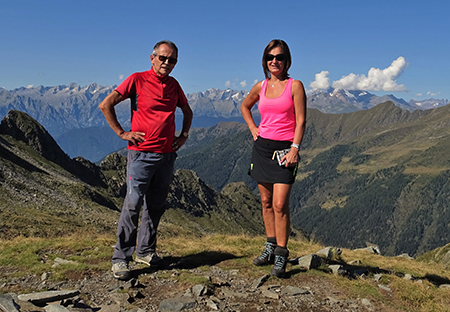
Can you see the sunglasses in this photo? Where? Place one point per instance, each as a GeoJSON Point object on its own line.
{"type": "Point", "coordinates": [279, 57]}
{"type": "Point", "coordinates": [163, 59]}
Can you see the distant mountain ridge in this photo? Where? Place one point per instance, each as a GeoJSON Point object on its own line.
{"type": "Point", "coordinates": [71, 115]}
{"type": "Point", "coordinates": [62, 108]}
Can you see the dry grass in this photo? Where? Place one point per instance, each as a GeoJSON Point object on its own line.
{"type": "Point", "coordinates": [22, 256]}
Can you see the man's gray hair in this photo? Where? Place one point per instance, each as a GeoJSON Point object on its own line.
{"type": "Point", "coordinates": [167, 42]}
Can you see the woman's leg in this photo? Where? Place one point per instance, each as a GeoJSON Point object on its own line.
{"type": "Point", "coordinates": [267, 257]}
{"type": "Point", "coordinates": [280, 210]}
{"type": "Point", "coordinates": [266, 192]}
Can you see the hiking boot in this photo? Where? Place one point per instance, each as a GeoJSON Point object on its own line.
{"type": "Point", "coordinates": [121, 271]}
{"type": "Point", "coordinates": [152, 259]}
{"type": "Point", "coordinates": [267, 257]}
{"type": "Point", "coordinates": [281, 260]}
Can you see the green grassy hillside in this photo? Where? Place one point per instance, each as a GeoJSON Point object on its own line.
{"type": "Point", "coordinates": [378, 175]}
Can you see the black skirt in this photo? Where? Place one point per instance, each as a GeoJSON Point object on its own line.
{"type": "Point", "coordinates": [264, 167]}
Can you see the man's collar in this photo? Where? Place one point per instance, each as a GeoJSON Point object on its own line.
{"type": "Point", "coordinates": [152, 73]}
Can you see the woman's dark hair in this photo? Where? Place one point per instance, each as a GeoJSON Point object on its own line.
{"type": "Point", "coordinates": [275, 43]}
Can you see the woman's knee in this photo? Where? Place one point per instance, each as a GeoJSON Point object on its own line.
{"type": "Point", "coordinates": [281, 207]}
{"type": "Point", "coordinates": [266, 202]}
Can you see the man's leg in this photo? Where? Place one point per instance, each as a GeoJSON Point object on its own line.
{"type": "Point", "coordinates": [155, 205]}
{"type": "Point", "coordinates": [139, 174]}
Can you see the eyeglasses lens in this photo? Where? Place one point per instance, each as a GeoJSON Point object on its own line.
{"type": "Point", "coordinates": [164, 58]}
{"type": "Point", "coordinates": [279, 57]}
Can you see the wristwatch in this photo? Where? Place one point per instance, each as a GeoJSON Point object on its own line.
{"type": "Point", "coordinates": [185, 134]}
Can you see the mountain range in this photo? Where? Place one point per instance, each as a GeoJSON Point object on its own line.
{"type": "Point", "coordinates": [71, 115]}
{"type": "Point", "coordinates": [377, 175]}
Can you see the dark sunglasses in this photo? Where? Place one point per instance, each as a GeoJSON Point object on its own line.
{"type": "Point", "coordinates": [163, 59]}
{"type": "Point", "coordinates": [279, 57]}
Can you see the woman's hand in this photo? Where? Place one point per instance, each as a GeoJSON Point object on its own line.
{"type": "Point", "coordinates": [255, 132]}
{"type": "Point", "coordinates": [291, 158]}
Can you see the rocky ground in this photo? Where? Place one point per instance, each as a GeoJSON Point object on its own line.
{"type": "Point", "coordinates": [220, 289]}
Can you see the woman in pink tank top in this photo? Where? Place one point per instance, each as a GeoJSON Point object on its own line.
{"type": "Point", "coordinates": [282, 105]}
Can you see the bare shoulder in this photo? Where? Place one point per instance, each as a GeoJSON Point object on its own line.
{"type": "Point", "coordinates": [255, 91]}
{"type": "Point", "coordinates": [297, 87]}
{"type": "Point", "coordinates": [297, 84]}
{"type": "Point", "coordinates": [257, 87]}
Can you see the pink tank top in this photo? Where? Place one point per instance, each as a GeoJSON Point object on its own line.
{"type": "Point", "coordinates": [277, 115]}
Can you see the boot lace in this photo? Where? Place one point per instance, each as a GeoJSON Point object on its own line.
{"type": "Point", "coordinates": [268, 250]}
{"type": "Point", "coordinates": [279, 262]}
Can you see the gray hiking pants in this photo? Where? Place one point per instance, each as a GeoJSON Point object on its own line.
{"type": "Point", "coordinates": [148, 178]}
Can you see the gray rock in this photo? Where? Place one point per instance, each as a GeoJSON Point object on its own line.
{"type": "Point", "coordinates": [48, 296]}
{"type": "Point", "coordinates": [369, 249]}
{"type": "Point", "coordinates": [367, 304]}
{"type": "Point", "coordinates": [211, 304]}
{"type": "Point", "coordinates": [110, 308]}
{"type": "Point", "coordinates": [332, 300]}
{"type": "Point", "coordinates": [260, 281]}
{"type": "Point", "coordinates": [329, 252]}
{"type": "Point", "coordinates": [59, 261]}
{"type": "Point", "coordinates": [177, 304]}
{"type": "Point", "coordinates": [55, 308]}
{"type": "Point", "coordinates": [375, 247]}
{"type": "Point", "coordinates": [338, 269]}
{"type": "Point", "coordinates": [444, 286]}
{"type": "Point", "coordinates": [408, 277]}
{"type": "Point", "coordinates": [229, 293]}
{"type": "Point", "coordinates": [294, 291]}
{"type": "Point", "coordinates": [308, 262]}
{"type": "Point", "coordinates": [406, 256]}
{"type": "Point", "coordinates": [8, 304]}
{"type": "Point", "coordinates": [384, 287]}
{"type": "Point", "coordinates": [120, 298]}
{"type": "Point", "coordinates": [377, 277]}
{"type": "Point", "coordinates": [199, 290]}
{"type": "Point", "coordinates": [131, 283]}
{"type": "Point", "coordinates": [270, 294]}
{"type": "Point", "coordinates": [45, 276]}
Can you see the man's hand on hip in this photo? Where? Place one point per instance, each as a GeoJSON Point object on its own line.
{"type": "Point", "coordinates": [134, 137]}
{"type": "Point", "coordinates": [178, 142]}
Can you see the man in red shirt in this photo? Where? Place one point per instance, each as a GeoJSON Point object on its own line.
{"type": "Point", "coordinates": [152, 147]}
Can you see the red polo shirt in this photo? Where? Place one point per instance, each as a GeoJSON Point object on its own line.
{"type": "Point", "coordinates": [154, 100]}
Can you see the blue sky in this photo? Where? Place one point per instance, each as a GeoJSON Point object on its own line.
{"type": "Point", "coordinates": [385, 47]}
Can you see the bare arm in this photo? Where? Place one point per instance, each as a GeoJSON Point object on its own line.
{"type": "Point", "coordinates": [187, 121]}
{"type": "Point", "coordinates": [299, 97]}
{"type": "Point", "coordinates": [246, 109]}
{"type": "Point", "coordinates": [107, 106]}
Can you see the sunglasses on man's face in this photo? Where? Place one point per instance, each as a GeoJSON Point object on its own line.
{"type": "Point", "coordinates": [278, 57]}
{"type": "Point", "coordinates": [163, 59]}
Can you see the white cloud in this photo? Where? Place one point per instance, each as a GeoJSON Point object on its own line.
{"type": "Point", "coordinates": [322, 81]}
{"type": "Point", "coordinates": [30, 86]}
{"type": "Point", "coordinates": [244, 83]}
{"type": "Point", "coordinates": [419, 94]}
{"type": "Point", "coordinates": [121, 76]}
{"type": "Point", "coordinates": [227, 83]}
{"type": "Point", "coordinates": [432, 94]}
{"type": "Point", "coordinates": [376, 80]}
{"type": "Point", "coordinates": [255, 81]}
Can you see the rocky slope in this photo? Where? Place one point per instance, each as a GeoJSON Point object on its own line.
{"type": "Point", "coordinates": [45, 193]}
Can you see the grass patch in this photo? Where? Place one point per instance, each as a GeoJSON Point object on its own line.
{"type": "Point", "coordinates": [91, 254]}
{"type": "Point", "coordinates": [26, 255]}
